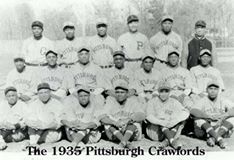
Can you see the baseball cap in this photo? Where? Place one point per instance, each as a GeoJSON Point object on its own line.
{"type": "Point", "coordinates": [38, 24]}
{"type": "Point", "coordinates": [122, 86]}
{"type": "Point", "coordinates": [147, 56]}
{"type": "Point", "coordinates": [174, 52]}
{"type": "Point", "coordinates": [213, 83]}
{"type": "Point", "coordinates": [101, 21]}
{"type": "Point", "coordinates": [205, 51]}
{"type": "Point", "coordinates": [43, 86]}
{"type": "Point", "coordinates": [10, 88]}
{"type": "Point", "coordinates": [68, 24]}
{"type": "Point", "coordinates": [167, 17]}
{"type": "Point", "coordinates": [200, 23]}
{"type": "Point", "coordinates": [83, 88]}
{"type": "Point", "coordinates": [132, 18]}
{"type": "Point", "coordinates": [120, 53]}
{"type": "Point", "coordinates": [50, 51]}
{"type": "Point", "coordinates": [83, 48]}
{"type": "Point", "coordinates": [164, 85]}
{"type": "Point", "coordinates": [19, 57]}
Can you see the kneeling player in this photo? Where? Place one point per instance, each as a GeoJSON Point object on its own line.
{"type": "Point", "coordinates": [122, 117]}
{"type": "Point", "coordinates": [44, 117]}
{"type": "Point", "coordinates": [165, 116]}
{"type": "Point", "coordinates": [12, 127]}
{"type": "Point", "coordinates": [214, 116]}
{"type": "Point", "coordinates": [80, 118]}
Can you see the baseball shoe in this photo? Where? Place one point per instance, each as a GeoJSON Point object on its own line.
{"type": "Point", "coordinates": [130, 145]}
{"type": "Point", "coordinates": [228, 134]}
{"type": "Point", "coordinates": [176, 144]}
{"type": "Point", "coordinates": [163, 144]}
{"type": "Point", "coordinates": [210, 142]}
{"type": "Point", "coordinates": [25, 146]}
{"type": "Point", "coordinates": [80, 144]}
{"type": "Point", "coordinates": [222, 144]}
{"type": "Point", "coordinates": [123, 144]}
{"type": "Point", "coordinates": [3, 146]}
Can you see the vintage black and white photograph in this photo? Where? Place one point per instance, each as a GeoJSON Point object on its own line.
{"type": "Point", "coordinates": [116, 77]}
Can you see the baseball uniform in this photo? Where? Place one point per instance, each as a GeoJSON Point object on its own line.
{"type": "Point", "coordinates": [34, 50]}
{"type": "Point", "coordinates": [89, 75]}
{"type": "Point", "coordinates": [202, 75]}
{"type": "Point", "coordinates": [23, 82]}
{"type": "Point", "coordinates": [102, 50]}
{"type": "Point", "coordinates": [67, 49]}
{"type": "Point", "coordinates": [58, 78]}
{"type": "Point", "coordinates": [74, 111]}
{"type": "Point", "coordinates": [162, 44]}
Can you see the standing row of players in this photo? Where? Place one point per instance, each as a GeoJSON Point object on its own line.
{"type": "Point", "coordinates": [127, 90]}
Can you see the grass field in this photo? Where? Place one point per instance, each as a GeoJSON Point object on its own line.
{"type": "Point", "coordinates": [226, 63]}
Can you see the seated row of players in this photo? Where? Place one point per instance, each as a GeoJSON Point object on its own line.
{"type": "Point", "coordinates": [83, 114]}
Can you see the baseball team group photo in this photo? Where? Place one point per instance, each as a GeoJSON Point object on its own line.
{"type": "Point", "coordinates": [151, 84]}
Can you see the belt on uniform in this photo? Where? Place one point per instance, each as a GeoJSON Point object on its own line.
{"type": "Point", "coordinates": [36, 65]}
{"type": "Point", "coordinates": [133, 59]}
{"type": "Point", "coordinates": [107, 66]}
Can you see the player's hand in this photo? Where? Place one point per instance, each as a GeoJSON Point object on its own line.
{"type": "Point", "coordinates": [24, 97]}
{"type": "Point", "coordinates": [202, 95]}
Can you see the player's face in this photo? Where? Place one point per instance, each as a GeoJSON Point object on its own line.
{"type": "Point", "coordinates": [205, 59]}
{"type": "Point", "coordinates": [133, 26]}
{"type": "Point", "coordinates": [84, 57]}
{"type": "Point", "coordinates": [164, 94]}
{"type": "Point", "coordinates": [119, 61]}
{"type": "Point", "coordinates": [83, 98]}
{"type": "Point", "coordinates": [148, 64]}
{"type": "Point", "coordinates": [167, 26]}
{"type": "Point", "coordinates": [51, 59]}
{"type": "Point", "coordinates": [173, 59]}
{"type": "Point", "coordinates": [19, 65]}
{"type": "Point", "coordinates": [11, 97]}
{"type": "Point", "coordinates": [213, 92]}
{"type": "Point", "coordinates": [102, 30]}
{"type": "Point", "coordinates": [121, 95]}
{"type": "Point", "coordinates": [37, 31]}
{"type": "Point", "coordinates": [200, 31]}
{"type": "Point", "coordinates": [44, 95]}
{"type": "Point", "coordinates": [69, 32]}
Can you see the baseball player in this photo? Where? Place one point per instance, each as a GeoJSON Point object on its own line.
{"type": "Point", "coordinates": [68, 47]}
{"type": "Point", "coordinates": [44, 116]}
{"type": "Point", "coordinates": [12, 126]}
{"type": "Point", "coordinates": [122, 116]}
{"type": "Point", "coordinates": [204, 72]}
{"type": "Point", "coordinates": [165, 116]}
{"type": "Point", "coordinates": [190, 57]}
{"type": "Point", "coordinates": [214, 116]}
{"type": "Point", "coordinates": [21, 77]}
{"type": "Point", "coordinates": [80, 118]}
{"type": "Point", "coordinates": [165, 40]}
{"type": "Point", "coordinates": [35, 47]}
{"type": "Point", "coordinates": [120, 73]}
{"type": "Point", "coordinates": [102, 45]}
{"type": "Point", "coordinates": [86, 73]}
{"type": "Point", "coordinates": [179, 79]}
{"type": "Point", "coordinates": [133, 43]}
{"type": "Point", "coordinates": [57, 77]}
{"type": "Point", "coordinates": [147, 78]}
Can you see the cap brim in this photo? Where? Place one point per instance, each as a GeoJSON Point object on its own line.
{"type": "Point", "coordinates": [83, 49]}
{"type": "Point", "coordinates": [120, 87]}
{"type": "Point", "coordinates": [167, 19]}
{"type": "Point", "coordinates": [214, 85]}
{"type": "Point", "coordinates": [207, 53]}
{"type": "Point", "coordinates": [84, 90]}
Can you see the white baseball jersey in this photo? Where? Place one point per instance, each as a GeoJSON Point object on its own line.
{"type": "Point", "coordinates": [134, 45]}
{"type": "Point", "coordinates": [212, 108]}
{"type": "Point", "coordinates": [147, 81]}
{"type": "Point", "coordinates": [34, 50]}
{"type": "Point", "coordinates": [162, 44]}
{"type": "Point", "coordinates": [116, 111]}
{"type": "Point", "coordinates": [47, 115]}
{"type": "Point", "coordinates": [179, 78]}
{"type": "Point", "coordinates": [58, 78]}
{"type": "Point", "coordinates": [74, 111]}
{"type": "Point", "coordinates": [102, 50]}
{"type": "Point", "coordinates": [114, 76]}
{"type": "Point", "coordinates": [89, 75]}
{"type": "Point", "coordinates": [168, 113]}
{"type": "Point", "coordinates": [203, 75]}
{"type": "Point", "coordinates": [23, 82]}
{"type": "Point", "coordinates": [12, 115]}
{"type": "Point", "coordinates": [68, 49]}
